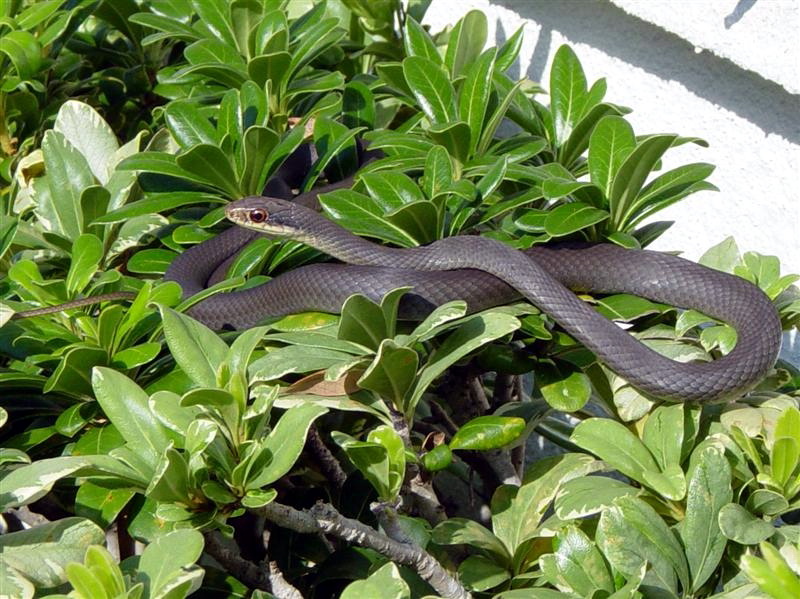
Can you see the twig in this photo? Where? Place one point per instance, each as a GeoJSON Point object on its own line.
{"type": "Point", "coordinates": [425, 500]}
{"type": "Point", "coordinates": [478, 394]}
{"type": "Point", "coordinates": [281, 588]}
{"type": "Point", "coordinates": [504, 386]}
{"type": "Point", "coordinates": [327, 462]}
{"type": "Point", "coordinates": [226, 552]}
{"type": "Point", "coordinates": [323, 517]}
{"type": "Point", "coordinates": [501, 464]}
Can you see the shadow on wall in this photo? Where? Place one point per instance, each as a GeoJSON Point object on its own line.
{"type": "Point", "coordinates": [608, 28]}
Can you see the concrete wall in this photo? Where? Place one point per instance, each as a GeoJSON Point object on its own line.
{"type": "Point", "coordinates": [724, 70]}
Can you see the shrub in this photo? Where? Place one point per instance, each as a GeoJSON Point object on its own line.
{"type": "Point", "coordinates": [355, 454]}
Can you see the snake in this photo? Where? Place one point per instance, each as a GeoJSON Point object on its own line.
{"type": "Point", "coordinates": [548, 277]}
{"type": "Point", "coordinates": [482, 272]}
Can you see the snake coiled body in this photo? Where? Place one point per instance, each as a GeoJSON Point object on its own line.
{"type": "Point", "coordinates": [547, 276]}
{"type": "Point", "coordinates": [484, 273]}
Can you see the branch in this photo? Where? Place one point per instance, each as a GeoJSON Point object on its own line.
{"type": "Point", "coordinates": [324, 518]}
{"type": "Point", "coordinates": [327, 462]}
{"type": "Point", "coordinates": [226, 553]}
{"type": "Point", "coordinates": [281, 588]}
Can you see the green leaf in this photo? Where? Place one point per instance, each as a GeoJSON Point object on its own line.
{"type": "Point", "coordinates": [632, 174]}
{"type": "Point", "coordinates": [479, 573]}
{"type": "Point", "coordinates": [270, 67]}
{"type": "Point", "coordinates": [210, 164]}
{"type": "Point", "coordinates": [784, 458]}
{"type": "Point", "coordinates": [215, 16]}
{"type": "Point", "coordinates": [127, 406]}
{"type": "Point", "coordinates": [391, 190]}
{"type": "Point", "coordinates": [371, 459]}
{"type": "Point", "coordinates": [631, 533]}
{"type": "Point", "coordinates": [160, 163]}
{"type": "Point", "coordinates": [454, 136]}
{"type": "Point", "coordinates": [72, 373]}
{"type": "Point", "coordinates": [285, 443]}
{"type": "Point", "coordinates": [471, 335]}
{"type": "Point", "coordinates": [432, 89]}
{"type": "Point", "coordinates": [391, 372]}
{"type": "Point", "coordinates": [100, 504]}
{"type": "Point", "coordinates": [188, 125]}
{"type": "Point", "coordinates": [568, 92]}
{"type": "Point", "coordinates": [87, 252]}
{"type": "Point", "coordinates": [438, 458]}
{"type": "Point", "coordinates": [509, 51]}
{"type": "Point", "coordinates": [739, 525]}
{"type": "Point", "coordinates": [572, 217]}
{"type": "Point", "coordinates": [626, 308]}
{"type": "Point", "coordinates": [577, 564]}
{"type": "Point", "coordinates": [488, 432]}
{"type": "Point", "coordinates": [496, 118]}
{"type": "Point", "coordinates": [612, 442]}
{"type": "Point", "coordinates": [358, 106]}
{"type": "Point", "coordinates": [461, 531]}
{"type": "Point", "coordinates": [362, 322]}
{"type": "Point", "coordinates": [385, 582]}
{"type": "Point", "coordinates": [170, 482]}
{"type": "Point", "coordinates": [167, 557]}
{"type": "Point", "coordinates": [709, 490]}
{"type": "Point", "coordinates": [589, 495]}
{"type": "Point", "coordinates": [518, 511]}
{"type": "Point", "coordinates": [363, 216]}
{"type": "Point", "coordinates": [195, 347]}
{"type": "Point", "coordinates": [773, 574]}
{"type": "Point", "coordinates": [563, 386]}
{"type": "Point", "coordinates": [418, 42]}
{"type": "Point", "coordinates": [59, 192]}
{"type": "Point", "coordinates": [610, 144]}
{"type": "Point", "coordinates": [84, 128]}
{"type": "Point", "coordinates": [293, 358]}
{"type": "Point", "coordinates": [467, 40]}
{"type": "Point", "coordinates": [438, 172]}
{"type": "Point", "coordinates": [474, 95]}
{"type": "Point", "coordinates": [663, 434]}
{"type": "Point", "coordinates": [24, 51]}
{"type": "Point", "coordinates": [671, 186]}
{"type": "Point", "coordinates": [30, 482]}
{"type": "Point", "coordinates": [41, 553]}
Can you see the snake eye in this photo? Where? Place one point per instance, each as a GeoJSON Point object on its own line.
{"type": "Point", "coordinates": [258, 215]}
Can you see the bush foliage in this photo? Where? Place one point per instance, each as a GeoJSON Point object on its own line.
{"type": "Point", "coordinates": [356, 454]}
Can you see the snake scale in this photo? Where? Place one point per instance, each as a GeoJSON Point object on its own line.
{"type": "Point", "coordinates": [484, 273]}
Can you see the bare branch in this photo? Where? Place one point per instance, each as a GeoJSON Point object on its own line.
{"type": "Point", "coordinates": [326, 461]}
{"type": "Point", "coordinates": [324, 518]}
{"type": "Point", "coordinates": [227, 553]}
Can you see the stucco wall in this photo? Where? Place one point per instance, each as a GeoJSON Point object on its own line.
{"type": "Point", "coordinates": [723, 70]}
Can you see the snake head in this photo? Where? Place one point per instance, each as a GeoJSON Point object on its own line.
{"type": "Point", "coordinates": [272, 216]}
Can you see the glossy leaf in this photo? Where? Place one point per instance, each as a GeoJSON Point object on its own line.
{"type": "Point", "coordinates": [709, 490]}
{"type": "Point", "coordinates": [611, 441]}
{"type": "Point", "coordinates": [467, 40]}
{"type": "Point", "coordinates": [41, 553]}
{"type": "Point", "coordinates": [589, 495]}
{"type": "Point", "coordinates": [391, 373]}
{"type": "Point", "coordinates": [488, 432]}
{"type": "Point", "coordinates": [431, 88]}
{"type": "Point", "coordinates": [567, 92]}
{"type": "Point", "coordinates": [126, 405]}
{"type": "Point", "coordinates": [632, 533]}
{"type": "Point", "coordinates": [609, 145]}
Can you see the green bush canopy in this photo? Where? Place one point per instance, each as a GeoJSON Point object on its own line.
{"type": "Point", "coordinates": [359, 453]}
